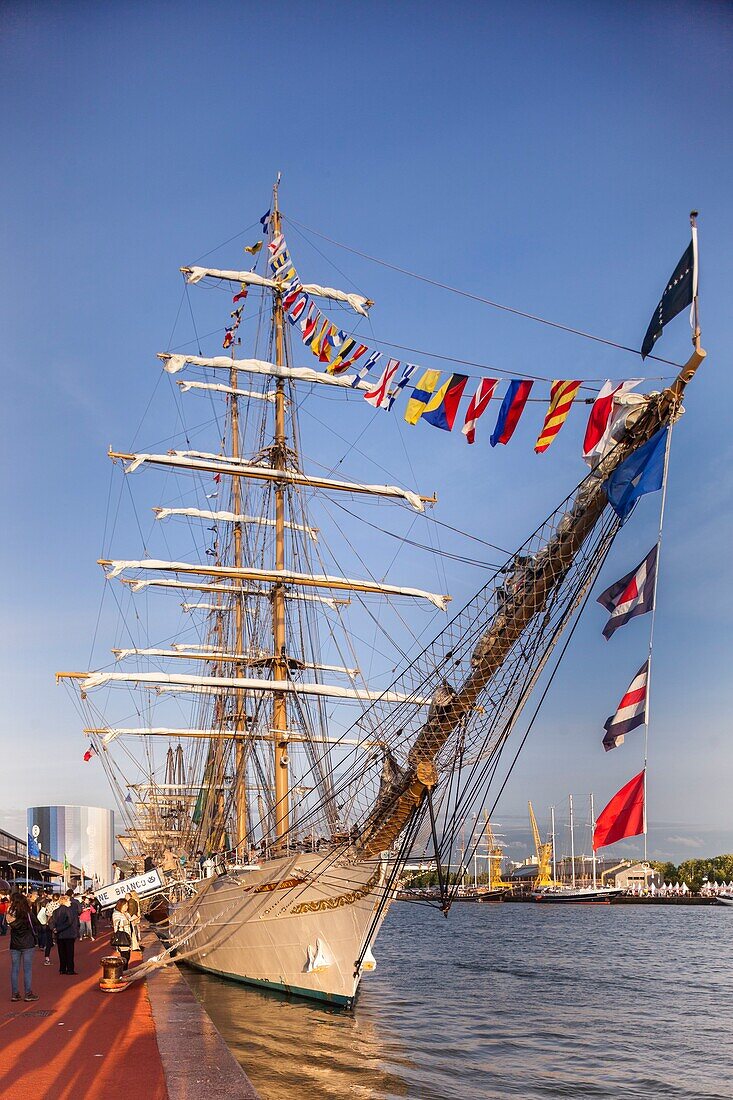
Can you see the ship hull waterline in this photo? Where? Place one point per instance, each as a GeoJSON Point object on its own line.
{"type": "Point", "coordinates": [295, 925]}
{"type": "Point", "coordinates": [579, 897]}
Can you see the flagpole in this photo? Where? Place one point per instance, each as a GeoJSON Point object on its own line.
{"type": "Point", "coordinates": [592, 831]}
{"type": "Point", "coordinates": [695, 317]}
{"type": "Point", "coordinates": [653, 620]}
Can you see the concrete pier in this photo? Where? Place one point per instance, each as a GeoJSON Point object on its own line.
{"type": "Point", "coordinates": [152, 1041]}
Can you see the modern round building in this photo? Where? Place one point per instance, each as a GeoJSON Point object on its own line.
{"type": "Point", "coordinates": [85, 835]}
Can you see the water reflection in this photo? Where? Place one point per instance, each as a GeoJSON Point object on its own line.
{"type": "Point", "coordinates": [294, 1048]}
{"type": "Point", "coordinates": [537, 1002]}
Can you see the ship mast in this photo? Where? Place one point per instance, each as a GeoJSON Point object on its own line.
{"type": "Point", "coordinates": [240, 669]}
{"type": "Point", "coordinates": [280, 663]}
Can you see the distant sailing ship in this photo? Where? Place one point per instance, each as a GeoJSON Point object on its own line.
{"type": "Point", "coordinates": [307, 819]}
{"type": "Point", "coordinates": [558, 893]}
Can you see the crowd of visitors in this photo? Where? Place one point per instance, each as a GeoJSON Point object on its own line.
{"type": "Point", "coordinates": [41, 920]}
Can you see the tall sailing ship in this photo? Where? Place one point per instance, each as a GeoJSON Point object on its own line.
{"type": "Point", "coordinates": [250, 759]}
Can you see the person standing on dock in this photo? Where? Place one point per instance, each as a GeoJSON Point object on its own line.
{"type": "Point", "coordinates": [4, 901]}
{"type": "Point", "coordinates": [66, 927]}
{"type": "Point", "coordinates": [94, 905]}
{"type": "Point", "coordinates": [122, 931]}
{"type": "Point", "coordinates": [133, 909]}
{"type": "Point", "coordinates": [51, 906]}
{"type": "Point", "coordinates": [22, 922]}
{"type": "Point", "coordinates": [85, 921]}
{"type": "Point", "coordinates": [42, 918]}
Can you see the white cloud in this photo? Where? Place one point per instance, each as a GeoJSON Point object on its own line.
{"type": "Point", "coordinates": [685, 841]}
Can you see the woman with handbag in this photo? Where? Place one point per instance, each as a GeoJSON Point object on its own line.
{"type": "Point", "coordinates": [23, 942]}
{"type": "Point", "coordinates": [122, 931]}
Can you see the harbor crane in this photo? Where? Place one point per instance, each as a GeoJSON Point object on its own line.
{"type": "Point", "coordinates": [544, 854]}
{"type": "Point", "coordinates": [495, 854]}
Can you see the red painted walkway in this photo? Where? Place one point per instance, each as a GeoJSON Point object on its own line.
{"type": "Point", "coordinates": [76, 1041]}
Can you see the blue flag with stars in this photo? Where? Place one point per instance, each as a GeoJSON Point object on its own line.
{"type": "Point", "coordinates": [679, 292]}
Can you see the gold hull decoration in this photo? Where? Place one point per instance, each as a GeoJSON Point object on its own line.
{"type": "Point", "coordinates": [283, 884]}
{"type": "Point", "coordinates": [340, 901]}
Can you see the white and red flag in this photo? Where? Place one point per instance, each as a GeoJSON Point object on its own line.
{"type": "Point", "coordinates": [631, 710]}
{"type": "Point", "coordinates": [379, 396]}
{"type": "Point", "coordinates": [631, 596]}
{"type": "Point", "coordinates": [477, 407]}
{"type": "Point", "coordinates": [601, 420]}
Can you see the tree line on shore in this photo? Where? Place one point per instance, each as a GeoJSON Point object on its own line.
{"type": "Point", "coordinates": [695, 871]}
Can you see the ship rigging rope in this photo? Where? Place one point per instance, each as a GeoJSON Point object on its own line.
{"type": "Point", "coordinates": [478, 298]}
{"type": "Point", "coordinates": [501, 371]}
{"type": "Point", "coordinates": [481, 781]}
{"type": "Point", "coordinates": [523, 678]}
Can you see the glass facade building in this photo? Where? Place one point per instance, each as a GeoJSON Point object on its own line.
{"type": "Point", "coordinates": [84, 834]}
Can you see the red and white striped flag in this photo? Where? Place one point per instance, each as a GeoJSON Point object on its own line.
{"type": "Point", "coordinates": [477, 406]}
{"type": "Point", "coordinates": [379, 396]}
{"type": "Point", "coordinates": [631, 710]}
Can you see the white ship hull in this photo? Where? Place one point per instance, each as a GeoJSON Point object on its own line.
{"type": "Point", "coordinates": [296, 924]}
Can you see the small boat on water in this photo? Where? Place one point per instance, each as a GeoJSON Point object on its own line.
{"type": "Point", "coordinates": [577, 895]}
{"type": "Point", "coordinates": [482, 893]}
{"type": "Point", "coordinates": [725, 899]}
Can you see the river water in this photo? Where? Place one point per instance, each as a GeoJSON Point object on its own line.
{"type": "Point", "coordinates": [531, 1001]}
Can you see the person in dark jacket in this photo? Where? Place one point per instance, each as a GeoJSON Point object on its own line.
{"type": "Point", "coordinates": [66, 927]}
{"type": "Point", "coordinates": [75, 907]}
{"type": "Point", "coordinates": [23, 936]}
{"type": "Point", "coordinates": [95, 914]}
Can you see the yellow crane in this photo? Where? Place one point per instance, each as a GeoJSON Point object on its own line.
{"type": "Point", "coordinates": [494, 854]}
{"type": "Point", "coordinates": [544, 854]}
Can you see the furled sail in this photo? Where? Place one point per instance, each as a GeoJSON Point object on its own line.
{"type": "Point", "coordinates": [209, 653]}
{"type": "Point", "coordinates": [358, 302]}
{"type": "Point", "coordinates": [269, 473]}
{"type": "Point", "coordinates": [175, 363]}
{"type": "Point", "coordinates": [232, 517]}
{"type": "Point", "coordinates": [217, 684]}
{"type": "Point", "coordinates": [281, 576]}
{"type": "Point", "coordinates": [229, 590]}
{"type": "Point", "coordinates": [219, 387]}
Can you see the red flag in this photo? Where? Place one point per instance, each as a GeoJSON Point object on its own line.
{"type": "Point", "coordinates": [290, 297]}
{"type": "Point", "coordinates": [623, 816]}
{"type": "Point", "coordinates": [89, 754]}
{"type": "Point", "coordinates": [242, 294]}
{"type": "Point", "coordinates": [217, 478]}
{"type": "Point", "coordinates": [600, 421]}
{"type": "Point", "coordinates": [477, 407]}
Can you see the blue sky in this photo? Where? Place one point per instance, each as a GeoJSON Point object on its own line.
{"type": "Point", "coordinates": [545, 156]}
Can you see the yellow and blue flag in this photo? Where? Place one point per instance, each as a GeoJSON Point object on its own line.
{"type": "Point", "coordinates": [421, 395]}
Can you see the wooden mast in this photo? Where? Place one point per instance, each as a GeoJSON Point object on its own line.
{"type": "Point", "coordinates": [280, 663]}
{"type": "Point", "coordinates": [240, 722]}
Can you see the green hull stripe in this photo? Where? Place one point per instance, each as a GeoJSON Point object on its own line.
{"type": "Point", "coordinates": [262, 983]}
